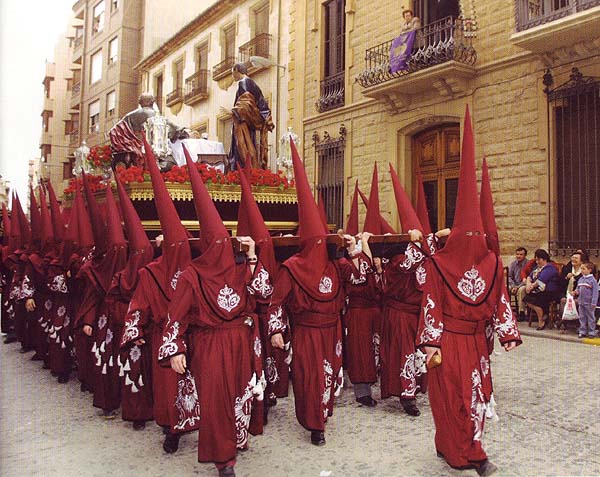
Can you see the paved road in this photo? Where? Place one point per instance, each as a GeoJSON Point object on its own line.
{"type": "Point", "coordinates": [548, 395]}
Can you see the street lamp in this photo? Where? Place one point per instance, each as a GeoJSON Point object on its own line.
{"type": "Point", "coordinates": [81, 164]}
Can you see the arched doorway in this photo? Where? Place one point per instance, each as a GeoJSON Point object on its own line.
{"type": "Point", "coordinates": [436, 153]}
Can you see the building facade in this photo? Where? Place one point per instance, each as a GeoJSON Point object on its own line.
{"type": "Point", "coordinates": [190, 73]}
{"type": "Point", "coordinates": [529, 71]}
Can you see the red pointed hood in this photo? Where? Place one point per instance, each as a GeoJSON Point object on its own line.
{"type": "Point", "coordinates": [352, 224]}
{"type": "Point", "coordinates": [70, 242]}
{"type": "Point", "coordinates": [96, 218]}
{"type": "Point", "coordinates": [84, 225]}
{"type": "Point", "coordinates": [25, 229]}
{"type": "Point", "coordinates": [323, 212]}
{"type": "Point", "coordinates": [243, 219]}
{"type": "Point", "coordinates": [373, 218]}
{"type": "Point", "coordinates": [310, 267]}
{"type": "Point", "coordinates": [47, 232]}
{"type": "Point", "coordinates": [36, 220]}
{"type": "Point", "coordinates": [15, 240]}
{"type": "Point", "coordinates": [5, 224]}
{"type": "Point", "coordinates": [386, 228]}
{"type": "Point", "coordinates": [218, 273]}
{"type": "Point", "coordinates": [136, 235]}
{"type": "Point", "coordinates": [422, 212]}
{"type": "Point", "coordinates": [465, 262]}
{"type": "Point", "coordinates": [406, 212]}
{"type": "Point", "coordinates": [256, 227]}
{"type": "Point", "coordinates": [487, 211]}
{"type": "Point", "coordinates": [113, 220]}
{"type": "Point", "coordinates": [58, 224]}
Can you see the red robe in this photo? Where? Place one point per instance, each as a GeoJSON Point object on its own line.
{"type": "Point", "coordinates": [224, 357]}
{"type": "Point", "coordinates": [400, 373]}
{"type": "Point", "coordinates": [362, 319]}
{"type": "Point", "coordinates": [460, 390]}
{"type": "Point", "coordinates": [317, 347]}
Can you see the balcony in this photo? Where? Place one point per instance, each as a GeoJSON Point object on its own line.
{"type": "Point", "coordinates": [48, 104]}
{"type": "Point", "coordinates": [77, 42]}
{"type": "Point", "coordinates": [76, 89]}
{"type": "Point", "coordinates": [544, 26]}
{"type": "Point", "coordinates": [223, 69]}
{"type": "Point", "coordinates": [175, 97]}
{"type": "Point", "coordinates": [196, 87]}
{"type": "Point", "coordinates": [260, 45]}
{"type": "Point", "coordinates": [74, 138]}
{"type": "Point", "coordinates": [442, 58]}
{"type": "Point", "coordinates": [332, 93]}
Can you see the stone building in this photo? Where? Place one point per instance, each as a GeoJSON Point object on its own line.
{"type": "Point", "coordinates": [529, 71]}
{"type": "Point", "coordinates": [190, 73]}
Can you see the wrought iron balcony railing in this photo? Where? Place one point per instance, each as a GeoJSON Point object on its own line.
{"type": "Point", "coordinates": [436, 43]}
{"type": "Point", "coordinates": [196, 87]}
{"type": "Point", "coordinates": [74, 137]}
{"type": "Point", "coordinates": [222, 69]}
{"type": "Point", "coordinates": [260, 45]}
{"type": "Point", "coordinates": [175, 96]}
{"type": "Point", "coordinates": [332, 93]}
{"type": "Point", "coordinates": [532, 13]}
{"type": "Point", "coordinates": [76, 89]}
{"type": "Point", "coordinates": [77, 42]}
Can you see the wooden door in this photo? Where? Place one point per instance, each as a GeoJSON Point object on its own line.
{"type": "Point", "coordinates": [436, 153]}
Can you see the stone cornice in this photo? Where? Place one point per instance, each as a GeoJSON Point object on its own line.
{"type": "Point", "coordinates": [204, 19]}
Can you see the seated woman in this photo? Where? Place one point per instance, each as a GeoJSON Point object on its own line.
{"type": "Point", "coordinates": [542, 286]}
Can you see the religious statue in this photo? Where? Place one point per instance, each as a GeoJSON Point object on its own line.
{"type": "Point", "coordinates": [250, 113]}
{"type": "Point", "coordinates": [126, 135]}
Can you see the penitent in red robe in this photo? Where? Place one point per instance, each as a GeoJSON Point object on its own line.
{"type": "Point", "coordinates": [460, 390]}
{"type": "Point", "coordinates": [316, 343]}
{"type": "Point", "coordinates": [224, 357]}
{"type": "Point", "coordinates": [362, 320]}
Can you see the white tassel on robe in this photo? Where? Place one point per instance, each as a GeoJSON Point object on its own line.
{"type": "Point", "coordinates": [110, 361]}
{"type": "Point", "coordinates": [63, 345]}
{"type": "Point", "coordinates": [134, 389]}
{"type": "Point", "coordinates": [94, 348]}
{"type": "Point", "coordinates": [127, 367]}
{"type": "Point", "coordinates": [140, 381]}
{"type": "Point", "coordinates": [103, 347]}
{"type": "Point", "coordinates": [128, 382]}
{"type": "Point", "coordinates": [104, 369]}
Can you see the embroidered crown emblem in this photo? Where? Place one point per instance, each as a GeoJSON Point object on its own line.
{"type": "Point", "coordinates": [472, 285]}
{"type": "Point", "coordinates": [228, 299]}
{"type": "Point", "coordinates": [325, 285]}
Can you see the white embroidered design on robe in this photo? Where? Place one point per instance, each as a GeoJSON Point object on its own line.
{"type": "Point", "coordinates": [169, 347]}
{"type": "Point", "coordinates": [261, 284]}
{"type": "Point", "coordinates": [272, 373]}
{"type": "Point", "coordinates": [48, 305]}
{"type": "Point", "coordinates": [135, 353]}
{"type": "Point", "coordinates": [507, 327]}
{"type": "Point", "coordinates": [175, 278]}
{"type": "Point", "coordinates": [420, 363]}
{"type": "Point", "coordinates": [243, 409]}
{"type": "Point", "coordinates": [409, 374]}
{"type": "Point", "coordinates": [338, 348]}
{"type": "Point", "coordinates": [27, 289]}
{"type": "Point", "coordinates": [59, 284]}
{"type": "Point", "coordinates": [484, 364]}
{"type": "Point", "coordinates": [275, 321]}
{"type": "Point", "coordinates": [67, 320]}
{"type": "Point", "coordinates": [102, 322]}
{"type": "Point", "coordinates": [430, 333]}
{"type": "Point", "coordinates": [471, 285]}
{"type": "Point", "coordinates": [421, 274]}
{"type": "Point", "coordinates": [228, 299]}
{"type": "Point", "coordinates": [131, 329]}
{"type": "Point", "coordinates": [477, 405]}
{"type": "Point", "coordinates": [109, 336]}
{"type": "Point", "coordinates": [328, 374]}
{"type": "Point", "coordinates": [186, 403]}
{"type": "Point", "coordinates": [431, 243]}
{"type": "Point", "coordinates": [257, 347]}
{"type": "Point", "coordinates": [413, 256]}
{"type": "Point", "coordinates": [61, 311]}
{"type": "Point", "coordinates": [363, 269]}
{"type": "Point", "coordinates": [325, 285]}
{"type": "Point", "coordinates": [376, 341]}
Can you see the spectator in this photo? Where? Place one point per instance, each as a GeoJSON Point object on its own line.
{"type": "Point", "coordinates": [410, 22]}
{"type": "Point", "coordinates": [516, 284]}
{"type": "Point", "coordinates": [587, 293]}
{"type": "Point", "coordinates": [542, 286]}
{"type": "Point", "coordinates": [570, 274]}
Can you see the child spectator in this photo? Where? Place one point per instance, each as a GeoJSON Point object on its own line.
{"type": "Point", "coordinates": [587, 293]}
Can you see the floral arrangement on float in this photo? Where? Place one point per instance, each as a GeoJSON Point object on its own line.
{"type": "Point", "coordinates": [99, 157]}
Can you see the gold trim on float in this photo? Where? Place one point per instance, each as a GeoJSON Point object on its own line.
{"type": "Point", "coordinates": [229, 224]}
{"type": "Point", "coordinates": [218, 192]}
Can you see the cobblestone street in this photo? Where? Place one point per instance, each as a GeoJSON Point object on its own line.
{"type": "Point", "coordinates": [546, 390]}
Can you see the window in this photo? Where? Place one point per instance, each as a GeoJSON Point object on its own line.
{"type": "Point", "coordinates": [94, 117]}
{"type": "Point", "coordinates": [46, 150]}
{"type": "Point", "coordinates": [575, 112]}
{"type": "Point", "coordinates": [201, 57]}
{"type": "Point", "coordinates": [114, 6]}
{"type": "Point", "coordinates": [436, 153]}
{"type": "Point", "coordinates": [111, 103]}
{"type": "Point", "coordinates": [332, 85]}
{"type": "Point", "coordinates": [225, 127]}
{"type": "Point", "coordinates": [178, 74]}
{"type": "Point", "coordinates": [261, 20]}
{"type": "Point", "coordinates": [158, 90]}
{"type": "Point", "coordinates": [113, 47]}
{"type": "Point", "coordinates": [96, 69]}
{"type": "Point", "coordinates": [68, 168]}
{"type": "Point", "coordinates": [46, 115]}
{"type": "Point", "coordinates": [98, 20]}
{"type": "Point", "coordinates": [228, 46]}
{"type": "Point", "coordinates": [47, 82]}
{"type": "Point", "coordinates": [432, 11]}
{"type": "Point", "coordinates": [330, 185]}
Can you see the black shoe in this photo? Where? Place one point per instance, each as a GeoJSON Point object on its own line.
{"type": "Point", "coordinates": [317, 438]}
{"type": "Point", "coordinates": [486, 468]}
{"type": "Point", "coordinates": [410, 407]}
{"type": "Point", "coordinates": [36, 357]}
{"type": "Point", "coordinates": [171, 443]}
{"type": "Point", "coordinates": [272, 400]}
{"type": "Point", "coordinates": [139, 425]}
{"type": "Point", "coordinates": [521, 317]}
{"type": "Point", "coordinates": [10, 338]}
{"type": "Point", "coordinates": [24, 350]}
{"type": "Point", "coordinates": [367, 401]}
{"type": "Point", "coordinates": [45, 365]}
{"type": "Point", "coordinates": [227, 471]}
{"type": "Point", "coordinates": [63, 378]}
